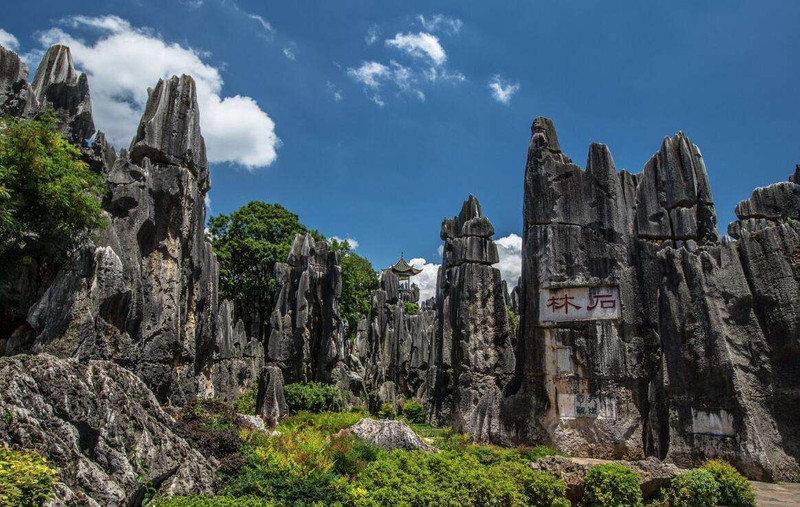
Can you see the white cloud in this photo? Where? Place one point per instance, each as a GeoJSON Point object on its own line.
{"type": "Point", "coordinates": [288, 52]}
{"type": "Point", "coordinates": [350, 241]}
{"type": "Point", "coordinates": [123, 61]}
{"type": "Point", "coordinates": [502, 90]}
{"type": "Point", "coordinates": [266, 25]}
{"type": "Point", "coordinates": [420, 45]}
{"type": "Point", "coordinates": [440, 250]}
{"type": "Point", "coordinates": [373, 75]}
{"type": "Point", "coordinates": [8, 40]}
{"type": "Point", "coordinates": [426, 280]}
{"type": "Point", "coordinates": [509, 249]}
{"type": "Point", "coordinates": [439, 22]}
{"type": "Point", "coordinates": [372, 35]}
{"type": "Point", "coordinates": [335, 92]}
{"type": "Point", "coordinates": [369, 73]}
{"type": "Point", "coordinates": [192, 4]}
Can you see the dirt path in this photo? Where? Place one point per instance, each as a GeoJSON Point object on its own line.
{"type": "Point", "coordinates": [777, 495]}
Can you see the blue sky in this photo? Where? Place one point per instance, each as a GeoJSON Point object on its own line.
{"type": "Point", "coordinates": [387, 120]}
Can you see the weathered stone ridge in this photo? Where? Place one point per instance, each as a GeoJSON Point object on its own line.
{"type": "Point", "coordinates": [472, 358]}
{"type": "Point", "coordinates": [306, 340]}
{"type": "Point", "coordinates": [705, 348]}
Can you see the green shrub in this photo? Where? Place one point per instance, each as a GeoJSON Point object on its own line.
{"type": "Point", "coordinates": [539, 488]}
{"type": "Point", "coordinates": [313, 396]}
{"type": "Point", "coordinates": [612, 485]}
{"type": "Point", "coordinates": [212, 426]}
{"type": "Point", "coordinates": [352, 454]}
{"type": "Point", "coordinates": [387, 411]}
{"type": "Point", "coordinates": [414, 412]}
{"type": "Point", "coordinates": [246, 401]}
{"type": "Point", "coordinates": [695, 488]}
{"type": "Point", "coordinates": [411, 308]}
{"type": "Point", "coordinates": [734, 489]}
{"type": "Point", "coordinates": [211, 501]}
{"type": "Point", "coordinates": [25, 478]}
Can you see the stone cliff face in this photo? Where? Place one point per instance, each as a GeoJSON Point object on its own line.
{"type": "Point", "coordinates": [644, 333]}
{"type": "Point", "coordinates": [145, 294]}
{"type": "Point", "coordinates": [472, 357]}
{"type": "Point", "coordinates": [306, 341]}
{"type": "Point", "coordinates": [391, 349]}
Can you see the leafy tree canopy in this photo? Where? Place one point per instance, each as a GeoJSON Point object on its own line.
{"type": "Point", "coordinates": [359, 279]}
{"type": "Point", "coordinates": [50, 201]}
{"type": "Point", "coordinates": [248, 243]}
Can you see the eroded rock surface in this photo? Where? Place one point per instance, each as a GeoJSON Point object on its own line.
{"type": "Point", "coordinates": [389, 435]}
{"type": "Point", "coordinates": [103, 429]}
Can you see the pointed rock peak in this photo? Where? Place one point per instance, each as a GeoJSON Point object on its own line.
{"type": "Point", "coordinates": [56, 67]}
{"type": "Point", "coordinates": [544, 128]}
{"type": "Point", "coordinates": [470, 209]}
{"type": "Point", "coordinates": [16, 96]}
{"type": "Point", "coordinates": [795, 178]}
{"type": "Point", "coordinates": [12, 69]}
{"type": "Point", "coordinates": [600, 160]}
{"type": "Point", "coordinates": [169, 131]}
{"type": "Point", "coordinates": [303, 247]}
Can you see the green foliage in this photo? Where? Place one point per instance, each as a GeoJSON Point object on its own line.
{"type": "Point", "coordinates": [416, 478]}
{"type": "Point", "coordinates": [314, 397]}
{"type": "Point", "coordinates": [359, 279]}
{"type": "Point", "coordinates": [411, 308]}
{"type": "Point", "coordinates": [50, 201]}
{"type": "Point", "coordinates": [414, 412]}
{"type": "Point", "coordinates": [211, 501]}
{"type": "Point", "coordinates": [326, 422]}
{"type": "Point", "coordinates": [26, 479]}
{"type": "Point", "coordinates": [734, 489]}
{"type": "Point", "coordinates": [248, 243]}
{"type": "Point", "coordinates": [513, 319]}
{"type": "Point", "coordinates": [387, 411]}
{"type": "Point", "coordinates": [695, 488]}
{"type": "Point", "coordinates": [245, 403]}
{"type": "Point", "coordinates": [612, 485]}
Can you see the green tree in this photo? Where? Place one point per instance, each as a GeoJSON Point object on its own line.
{"type": "Point", "coordinates": [50, 203]}
{"type": "Point", "coordinates": [359, 279]}
{"type": "Point", "coordinates": [248, 243]}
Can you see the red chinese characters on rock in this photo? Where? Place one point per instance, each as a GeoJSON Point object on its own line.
{"type": "Point", "coordinates": [606, 301]}
{"type": "Point", "coordinates": [564, 302]}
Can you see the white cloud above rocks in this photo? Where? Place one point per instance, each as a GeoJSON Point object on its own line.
{"type": "Point", "coordinates": [502, 90]}
{"type": "Point", "coordinates": [123, 61]}
{"type": "Point", "coordinates": [420, 45]}
{"type": "Point", "coordinates": [350, 241]}
{"type": "Point", "coordinates": [426, 280]}
{"type": "Point", "coordinates": [8, 41]}
{"type": "Point", "coordinates": [509, 250]}
{"type": "Point", "coordinates": [440, 23]}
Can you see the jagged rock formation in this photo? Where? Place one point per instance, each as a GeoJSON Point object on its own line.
{"type": "Point", "coordinates": [270, 401]}
{"type": "Point", "coordinates": [306, 340]}
{"type": "Point", "coordinates": [145, 294]}
{"type": "Point", "coordinates": [391, 349]}
{"type": "Point", "coordinates": [16, 96]}
{"type": "Point", "coordinates": [643, 332]}
{"type": "Point", "coordinates": [103, 429]}
{"type": "Point", "coordinates": [472, 358]}
{"type": "Point", "coordinates": [389, 435]}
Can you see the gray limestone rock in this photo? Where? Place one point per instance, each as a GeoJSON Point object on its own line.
{"type": "Point", "coordinates": [16, 96]}
{"type": "Point", "coordinates": [101, 427]}
{"type": "Point", "coordinates": [389, 435]}
{"type": "Point", "coordinates": [271, 404]}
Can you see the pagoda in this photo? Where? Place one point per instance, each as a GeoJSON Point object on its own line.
{"type": "Point", "coordinates": [404, 272]}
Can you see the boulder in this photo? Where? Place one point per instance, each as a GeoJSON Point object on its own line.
{"type": "Point", "coordinates": [389, 435]}
{"type": "Point", "coordinates": [101, 427]}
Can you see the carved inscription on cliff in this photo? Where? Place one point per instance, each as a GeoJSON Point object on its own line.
{"type": "Point", "coordinates": [579, 303]}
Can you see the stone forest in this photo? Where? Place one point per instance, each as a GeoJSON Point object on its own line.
{"type": "Point", "coordinates": [640, 336]}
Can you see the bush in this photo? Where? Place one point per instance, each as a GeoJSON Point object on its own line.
{"type": "Point", "coordinates": [695, 488]}
{"type": "Point", "coordinates": [25, 478]}
{"type": "Point", "coordinates": [314, 397]}
{"type": "Point", "coordinates": [612, 485]}
{"type": "Point", "coordinates": [246, 401]}
{"type": "Point", "coordinates": [212, 426]}
{"type": "Point", "coordinates": [387, 411]}
{"type": "Point", "coordinates": [211, 501]}
{"type": "Point", "coordinates": [734, 489]}
{"type": "Point", "coordinates": [411, 308]}
{"type": "Point", "coordinates": [352, 454]}
{"type": "Point", "coordinates": [539, 488]}
{"type": "Point", "coordinates": [414, 412]}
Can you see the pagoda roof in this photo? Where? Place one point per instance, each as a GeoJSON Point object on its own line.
{"type": "Point", "coordinates": [402, 267]}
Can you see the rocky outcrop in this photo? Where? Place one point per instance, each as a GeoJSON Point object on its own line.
{"type": "Point", "coordinates": [306, 341]}
{"type": "Point", "coordinates": [101, 427]}
{"type": "Point", "coordinates": [270, 401]}
{"type": "Point", "coordinates": [389, 435]}
{"type": "Point", "coordinates": [58, 87]}
{"type": "Point", "coordinates": [642, 332]}
{"type": "Point", "coordinates": [144, 294]}
{"type": "Point", "coordinates": [391, 348]}
{"type": "Point", "coordinates": [472, 358]}
{"type": "Point", "coordinates": [16, 96]}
